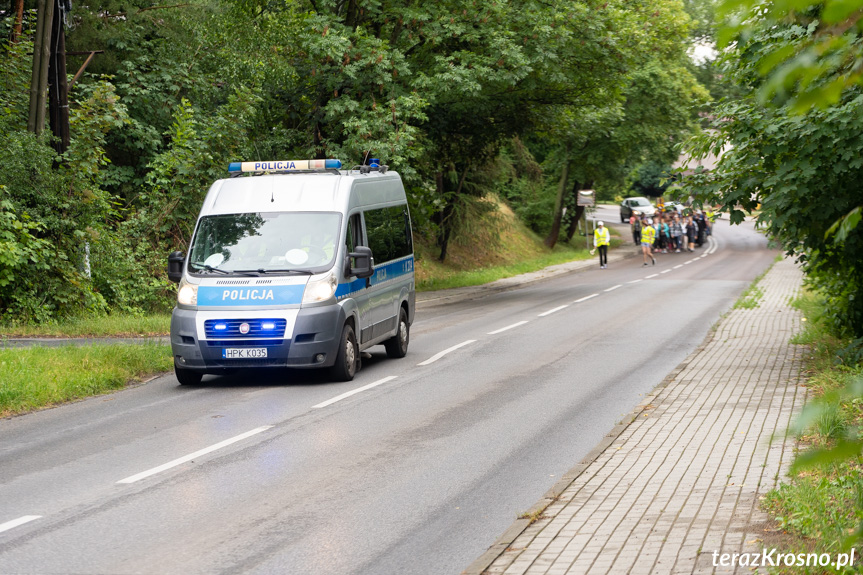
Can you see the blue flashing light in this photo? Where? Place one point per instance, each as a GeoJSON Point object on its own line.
{"type": "Point", "coordinates": [220, 327]}
{"type": "Point", "coordinates": [375, 163]}
{"type": "Point", "coordinates": [268, 326]}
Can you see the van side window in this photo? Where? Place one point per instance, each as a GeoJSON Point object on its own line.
{"type": "Point", "coordinates": [354, 236]}
{"type": "Point", "coordinates": [389, 233]}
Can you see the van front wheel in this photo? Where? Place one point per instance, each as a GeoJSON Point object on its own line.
{"type": "Point", "coordinates": [397, 345]}
{"type": "Point", "coordinates": [187, 376]}
{"type": "Point", "coordinates": [346, 359]}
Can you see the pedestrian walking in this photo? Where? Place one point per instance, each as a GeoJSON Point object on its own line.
{"type": "Point", "coordinates": [666, 234]}
{"type": "Point", "coordinates": [648, 236]}
{"type": "Point", "coordinates": [691, 232]}
{"type": "Point", "coordinates": [601, 239]}
{"type": "Point", "coordinates": [635, 226]}
{"type": "Point", "coordinates": [676, 233]}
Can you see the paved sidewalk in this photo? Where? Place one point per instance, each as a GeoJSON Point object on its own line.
{"type": "Point", "coordinates": [682, 477]}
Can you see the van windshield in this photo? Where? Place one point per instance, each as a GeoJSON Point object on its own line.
{"type": "Point", "coordinates": [265, 243]}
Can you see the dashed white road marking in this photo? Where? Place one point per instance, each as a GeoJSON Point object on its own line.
{"type": "Point", "coordinates": [664, 271]}
{"type": "Point", "coordinates": [191, 456]}
{"type": "Point", "coordinates": [636, 281]}
{"type": "Point", "coordinates": [503, 329]}
{"type": "Point", "coordinates": [585, 298]}
{"type": "Point", "coordinates": [354, 392]}
{"type": "Point", "coordinates": [551, 311]}
{"type": "Point", "coordinates": [612, 288]}
{"type": "Point", "coordinates": [677, 266]}
{"type": "Point", "coordinates": [687, 263]}
{"type": "Point", "coordinates": [437, 356]}
{"type": "Point", "coordinates": [650, 276]}
{"type": "Point", "coordinates": [17, 522]}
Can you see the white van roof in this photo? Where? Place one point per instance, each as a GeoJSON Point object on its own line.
{"type": "Point", "coordinates": [303, 192]}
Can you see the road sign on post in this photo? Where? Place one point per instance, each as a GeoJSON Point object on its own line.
{"type": "Point", "coordinates": [587, 199]}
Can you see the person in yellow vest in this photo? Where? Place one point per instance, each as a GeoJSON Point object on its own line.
{"type": "Point", "coordinates": [648, 235]}
{"type": "Point", "coordinates": [601, 240]}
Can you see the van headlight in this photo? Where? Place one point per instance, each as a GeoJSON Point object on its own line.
{"type": "Point", "coordinates": [187, 294]}
{"type": "Point", "coordinates": [322, 289]}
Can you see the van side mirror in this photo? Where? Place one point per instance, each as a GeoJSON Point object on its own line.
{"type": "Point", "coordinates": [175, 266]}
{"type": "Point", "coordinates": [360, 263]}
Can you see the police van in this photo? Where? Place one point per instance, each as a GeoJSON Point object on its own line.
{"type": "Point", "coordinates": [294, 264]}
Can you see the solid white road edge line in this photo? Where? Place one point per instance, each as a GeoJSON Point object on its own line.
{"type": "Point", "coordinates": [353, 392]}
{"type": "Point", "coordinates": [551, 311]}
{"type": "Point", "coordinates": [191, 456]}
{"type": "Point", "coordinates": [437, 356]}
{"type": "Point", "coordinates": [585, 298]}
{"type": "Point", "coordinates": [503, 329]}
{"type": "Point", "coordinates": [614, 287]}
{"type": "Point", "coordinates": [17, 522]}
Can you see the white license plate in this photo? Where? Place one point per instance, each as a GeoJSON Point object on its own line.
{"type": "Point", "coordinates": [244, 352]}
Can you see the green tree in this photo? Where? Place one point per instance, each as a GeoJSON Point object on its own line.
{"type": "Point", "coordinates": [643, 116]}
{"type": "Point", "coordinates": [802, 168]}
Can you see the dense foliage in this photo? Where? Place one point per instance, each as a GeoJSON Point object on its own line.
{"type": "Point", "coordinates": [527, 99]}
{"type": "Point", "coordinates": [801, 167]}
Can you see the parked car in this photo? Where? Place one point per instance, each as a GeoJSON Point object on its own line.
{"type": "Point", "coordinates": [638, 205]}
{"type": "Point", "coordinates": [673, 206]}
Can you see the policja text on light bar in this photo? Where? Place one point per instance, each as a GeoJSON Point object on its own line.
{"type": "Point", "coordinates": [284, 166]}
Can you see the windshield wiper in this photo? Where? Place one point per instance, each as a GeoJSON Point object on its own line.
{"type": "Point", "coordinates": [208, 268]}
{"type": "Point", "coordinates": [221, 271]}
{"type": "Point", "coordinates": [274, 271]}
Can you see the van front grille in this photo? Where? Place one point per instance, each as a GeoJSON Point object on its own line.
{"type": "Point", "coordinates": [221, 328]}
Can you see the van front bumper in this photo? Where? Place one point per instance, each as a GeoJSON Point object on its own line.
{"type": "Point", "coordinates": [314, 342]}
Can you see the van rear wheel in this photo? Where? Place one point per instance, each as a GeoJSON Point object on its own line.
{"type": "Point", "coordinates": [346, 359]}
{"type": "Point", "coordinates": [397, 345]}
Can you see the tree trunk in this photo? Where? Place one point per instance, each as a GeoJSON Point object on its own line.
{"type": "Point", "coordinates": [446, 219]}
{"type": "Point", "coordinates": [58, 92]}
{"type": "Point", "coordinates": [41, 54]}
{"type": "Point", "coordinates": [551, 240]}
{"type": "Point", "coordinates": [18, 8]}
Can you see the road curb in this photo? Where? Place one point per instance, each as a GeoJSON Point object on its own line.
{"type": "Point", "coordinates": [484, 561]}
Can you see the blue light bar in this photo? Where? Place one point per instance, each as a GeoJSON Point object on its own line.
{"type": "Point", "coordinates": [268, 325]}
{"type": "Point", "coordinates": [220, 326]}
{"type": "Point", "coordinates": [284, 166]}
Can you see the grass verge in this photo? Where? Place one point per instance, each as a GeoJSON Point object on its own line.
{"type": "Point", "coordinates": [821, 508]}
{"type": "Point", "coordinates": [440, 276]}
{"type": "Point", "coordinates": [37, 377]}
{"type": "Point", "coordinates": [116, 325]}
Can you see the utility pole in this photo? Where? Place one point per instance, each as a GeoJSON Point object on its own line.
{"type": "Point", "coordinates": [41, 55]}
{"type": "Point", "coordinates": [58, 92]}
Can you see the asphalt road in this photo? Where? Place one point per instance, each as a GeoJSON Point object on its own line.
{"type": "Point", "coordinates": [419, 471]}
